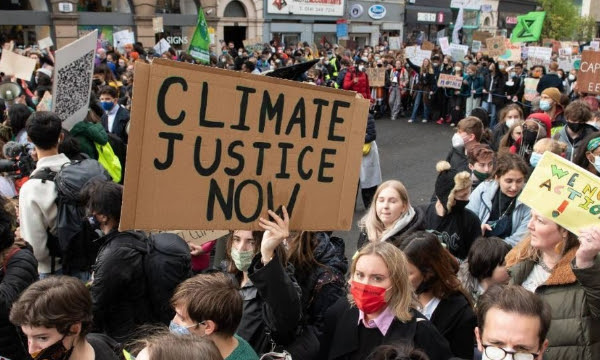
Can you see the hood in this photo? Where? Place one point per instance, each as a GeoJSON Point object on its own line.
{"type": "Point", "coordinates": [330, 252]}
{"type": "Point", "coordinates": [543, 119]}
{"type": "Point", "coordinates": [91, 131]}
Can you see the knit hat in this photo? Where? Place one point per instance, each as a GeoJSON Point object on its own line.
{"type": "Point", "coordinates": [553, 93]}
{"type": "Point", "coordinates": [448, 182]}
{"type": "Point", "coordinates": [545, 123]}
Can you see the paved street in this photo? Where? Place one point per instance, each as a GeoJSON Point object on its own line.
{"type": "Point", "coordinates": [408, 152]}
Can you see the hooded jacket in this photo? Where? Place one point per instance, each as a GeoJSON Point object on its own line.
{"type": "Point", "coordinates": [395, 235]}
{"type": "Point", "coordinates": [573, 144]}
{"type": "Point", "coordinates": [480, 202]}
{"type": "Point", "coordinates": [574, 297]}
{"type": "Point", "coordinates": [87, 134]}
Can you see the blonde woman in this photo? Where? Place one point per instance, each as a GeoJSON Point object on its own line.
{"type": "Point", "coordinates": [563, 270]}
{"type": "Point", "coordinates": [390, 215]}
{"type": "Point", "coordinates": [379, 310]}
{"type": "Point", "coordinates": [425, 86]}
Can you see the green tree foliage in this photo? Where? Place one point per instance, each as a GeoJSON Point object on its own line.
{"type": "Point", "coordinates": [586, 29]}
{"type": "Point", "coordinates": [562, 19]}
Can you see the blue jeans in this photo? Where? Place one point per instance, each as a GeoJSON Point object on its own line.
{"type": "Point", "coordinates": [418, 101]}
{"type": "Point", "coordinates": [490, 107]}
{"type": "Point", "coordinates": [81, 275]}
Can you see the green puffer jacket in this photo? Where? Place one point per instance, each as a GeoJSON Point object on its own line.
{"type": "Point", "coordinates": [574, 295]}
{"type": "Point", "coordinates": [87, 134]}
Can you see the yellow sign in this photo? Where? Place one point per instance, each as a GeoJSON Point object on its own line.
{"type": "Point", "coordinates": [563, 192]}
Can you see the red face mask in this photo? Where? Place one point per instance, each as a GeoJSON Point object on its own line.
{"type": "Point", "coordinates": [368, 298]}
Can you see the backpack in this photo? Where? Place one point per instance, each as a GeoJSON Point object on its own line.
{"type": "Point", "coordinates": [167, 263]}
{"type": "Point", "coordinates": [74, 240]}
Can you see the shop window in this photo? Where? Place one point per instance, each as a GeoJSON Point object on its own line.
{"type": "Point", "coordinates": [470, 17]}
{"type": "Point", "coordinates": [322, 38]}
{"type": "Point", "coordinates": [120, 6]}
{"type": "Point", "coordinates": [23, 35]}
{"type": "Point", "coordinates": [176, 7]}
{"type": "Point", "coordinates": [234, 9]}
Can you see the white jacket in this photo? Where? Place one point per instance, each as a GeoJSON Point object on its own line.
{"type": "Point", "coordinates": [37, 210]}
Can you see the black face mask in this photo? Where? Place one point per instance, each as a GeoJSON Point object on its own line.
{"type": "Point", "coordinates": [575, 127]}
{"type": "Point", "coordinates": [97, 82]}
{"type": "Point", "coordinates": [529, 137]}
{"type": "Point", "coordinates": [459, 205]}
{"type": "Point", "coordinates": [56, 351]}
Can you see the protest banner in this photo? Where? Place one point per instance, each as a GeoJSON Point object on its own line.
{"type": "Point", "coordinates": [376, 76]}
{"type": "Point", "coordinates": [595, 45]}
{"type": "Point", "coordinates": [161, 46]}
{"type": "Point", "coordinates": [458, 51]}
{"type": "Point", "coordinates": [449, 81]}
{"type": "Point", "coordinates": [201, 40]}
{"type": "Point", "coordinates": [512, 53]}
{"type": "Point", "coordinates": [476, 46]}
{"type": "Point", "coordinates": [529, 27]}
{"type": "Point", "coordinates": [121, 38]}
{"type": "Point", "coordinates": [588, 76]}
{"type": "Point", "coordinates": [444, 45]}
{"type": "Point", "coordinates": [416, 55]}
{"type": "Point", "coordinates": [481, 36]}
{"type": "Point", "coordinates": [565, 51]}
{"type": "Point", "coordinates": [539, 52]}
{"type": "Point", "coordinates": [567, 63]}
{"type": "Point", "coordinates": [427, 45]}
{"type": "Point", "coordinates": [496, 46]}
{"type": "Point", "coordinates": [157, 25]}
{"type": "Point", "coordinates": [231, 145]}
{"type": "Point", "coordinates": [13, 64]}
{"type": "Point", "coordinates": [196, 237]}
{"type": "Point", "coordinates": [530, 91]}
{"type": "Point", "coordinates": [72, 84]}
{"type": "Point", "coordinates": [45, 43]}
{"type": "Point", "coordinates": [563, 192]}
{"type": "Point", "coordinates": [395, 43]}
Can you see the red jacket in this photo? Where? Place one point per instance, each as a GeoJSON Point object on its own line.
{"type": "Point", "coordinates": [362, 86]}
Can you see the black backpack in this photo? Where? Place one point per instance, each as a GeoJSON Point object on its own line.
{"type": "Point", "coordinates": [73, 243]}
{"type": "Point", "coordinates": [167, 263]}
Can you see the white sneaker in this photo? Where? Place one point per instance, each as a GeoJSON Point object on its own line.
{"type": "Point", "coordinates": [411, 121]}
{"type": "Point", "coordinates": [393, 119]}
{"type": "Point", "coordinates": [424, 120]}
{"type": "Point", "coordinates": [452, 125]}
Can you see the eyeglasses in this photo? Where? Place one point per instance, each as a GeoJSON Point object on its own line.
{"type": "Point", "coordinates": [496, 353]}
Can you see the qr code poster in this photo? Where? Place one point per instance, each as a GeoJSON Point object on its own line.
{"type": "Point", "coordinates": [74, 67]}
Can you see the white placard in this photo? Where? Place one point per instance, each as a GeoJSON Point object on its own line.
{"type": "Point", "coordinates": [416, 55]}
{"type": "Point", "coordinates": [475, 46]}
{"type": "Point", "coordinates": [595, 45]}
{"type": "Point", "coordinates": [444, 45]}
{"type": "Point", "coordinates": [45, 43]}
{"type": "Point", "coordinates": [458, 51]}
{"type": "Point", "coordinates": [395, 43]}
{"type": "Point", "coordinates": [121, 38]}
{"type": "Point", "coordinates": [539, 52]}
{"type": "Point", "coordinates": [13, 64]}
{"type": "Point", "coordinates": [73, 71]}
{"type": "Point", "coordinates": [161, 46]}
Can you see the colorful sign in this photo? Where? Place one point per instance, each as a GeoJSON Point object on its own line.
{"type": "Point", "coordinates": [529, 27]}
{"type": "Point", "coordinates": [564, 193]}
{"type": "Point", "coordinates": [449, 81]}
{"type": "Point", "coordinates": [377, 12]}
{"type": "Point", "coordinates": [496, 46]}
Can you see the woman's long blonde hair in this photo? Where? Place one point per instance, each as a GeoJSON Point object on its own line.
{"type": "Point", "coordinates": [400, 297]}
{"type": "Point", "coordinates": [370, 223]}
{"type": "Point", "coordinates": [523, 251]}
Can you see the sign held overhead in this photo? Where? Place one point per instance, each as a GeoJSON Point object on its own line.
{"type": "Point", "coordinates": [216, 149]}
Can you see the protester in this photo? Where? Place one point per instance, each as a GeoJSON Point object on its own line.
{"type": "Point", "coordinates": [379, 310]}
{"type": "Point", "coordinates": [424, 88]}
{"type": "Point", "coordinates": [493, 92]}
{"type": "Point", "coordinates": [173, 347]}
{"type": "Point", "coordinates": [563, 270]}
{"type": "Point", "coordinates": [544, 145]}
{"type": "Point", "coordinates": [473, 88]}
{"type": "Point", "coordinates": [551, 105]}
{"type": "Point", "coordinates": [588, 155]}
{"type": "Point", "coordinates": [116, 117]}
{"type": "Point", "coordinates": [55, 314]}
{"type": "Point", "coordinates": [537, 126]}
{"type": "Point", "coordinates": [17, 120]}
{"type": "Point", "coordinates": [511, 138]}
{"type": "Point", "coordinates": [468, 133]}
{"type": "Point", "coordinates": [510, 115]}
{"type": "Point", "coordinates": [577, 114]}
{"type": "Point", "coordinates": [432, 273]}
{"type": "Point", "coordinates": [551, 79]}
{"type": "Point", "coordinates": [484, 266]}
{"type": "Point", "coordinates": [455, 226]}
{"type": "Point", "coordinates": [496, 201]}
{"type": "Point", "coordinates": [512, 321]}
{"type": "Point", "coordinates": [370, 170]}
{"type": "Point", "coordinates": [390, 216]}
{"type": "Point", "coordinates": [481, 163]}
{"type": "Point", "coordinates": [356, 79]}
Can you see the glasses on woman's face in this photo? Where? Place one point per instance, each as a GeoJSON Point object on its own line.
{"type": "Point", "coordinates": [496, 353]}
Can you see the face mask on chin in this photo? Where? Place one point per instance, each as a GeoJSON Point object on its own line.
{"type": "Point", "coordinates": [56, 351]}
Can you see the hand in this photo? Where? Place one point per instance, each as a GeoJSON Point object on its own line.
{"type": "Point", "coordinates": [508, 97]}
{"type": "Point", "coordinates": [355, 80]}
{"type": "Point", "coordinates": [473, 91]}
{"type": "Point", "coordinates": [195, 250]}
{"type": "Point", "coordinates": [275, 233]}
{"type": "Point", "coordinates": [484, 228]}
{"type": "Point", "coordinates": [514, 99]}
{"type": "Point", "coordinates": [485, 91]}
{"type": "Point", "coordinates": [430, 93]}
{"type": "Point", "coordinates": [589, 247]}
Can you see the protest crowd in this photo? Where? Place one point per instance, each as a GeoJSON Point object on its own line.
{"type": "Point", "coordinates": [476, 273]}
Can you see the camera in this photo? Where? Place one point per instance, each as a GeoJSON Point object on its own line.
{"type": "Point", "coordinates": [18, 163]}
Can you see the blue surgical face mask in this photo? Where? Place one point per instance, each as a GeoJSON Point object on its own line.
{"type": "Point", "coordinates": [177, 329]}
{"type": "Point", "coordinates": [107, 105]}
{"type": "Point", "coordinates": [535, 159]}
{"type": "Point", "coordinates": [597, 163]}
{"type": "Point", "coordinates": [545, 105]}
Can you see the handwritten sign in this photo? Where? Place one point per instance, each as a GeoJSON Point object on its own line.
{"type": "Point", "coordinates": [416, 55]}
{"type": "Point", "coordinates": [45, 43]}
{"type": "Point", "coordinates": [563, 192]}
{"type": "Point", "coordinates": [17, 65]}
{"type": "Point", "coordinates": [216, 149]}
{"type": "Point", "coordinates": [588, 77]}
{"type": "Point", "coordinates": [376, 76]}
{"type": "Point", "coordinates": [496, 46]}
{"type": "Point", "coordinates": [476, 46]}
{"type": "Point", "coordinates": [530, 91]}
{"type": "Point", "coordinates": [157, 25]}
{"type": "Point", "coordinates": [512, 52]}
{"type": "Point", "coordinates": [394, 42]}
{"type": "Point", "coordinates": [450, 81]}
{"type": "Point", "coordinates": [458, 51]}
{"type": "Point", "coordinates": [540, 52]}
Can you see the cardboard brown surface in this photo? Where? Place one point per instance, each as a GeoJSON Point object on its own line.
{"type": "Point", "coordinates": [496, 46]}
{"type": "Point", "coordinates": [481, 35]}
{"type": "Point", "coordinates": [197, 237]}
{"type": "Point", "coordinates": [588, 76]}
{"type": "Point", "coordinates": [427, 45]}
{"type": "Point", "coordinates": [449, 81]}
{"type": "Point", "coordinates": [320, 171]}
{"type": "Point", "coordinates": [376, 76]}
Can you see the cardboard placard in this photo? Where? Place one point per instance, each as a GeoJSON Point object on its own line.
{"type": "Point", "coordinates": [481, 35]}
{"type": "Point", "coordinates": [588, 76]}
{"type": "Point", "coordinates": [73, 72]}
{"type": "Point", "coordinates": [496, 46]}
{"type": "Point", "coordinates": [45, 43]}
{"type": "Point", "coordinates": [252, 41]}
{"type": "Point", "coordinates": [395, 43]}
{"type": "Point", "coordinates": [530, 92]}
{"type": "Point", "coordinates": [563, 192]}
{"type": "Point", "coordinates": [512, 52]}
{"type": "Point", "coordinates": [376, 76]}
{"type": "Point", "coordinates": [196, 237]}
{"type": "Point", "coordinates": [449, 81]}
{"type": "Point", "coordinates": [13, 64]}
{"type": "Point", "coordinates": [427, 45]}
{"type": "Point", "coordinates": [157, 25]}
{"type": "Point", "coordinates": [231, 145]}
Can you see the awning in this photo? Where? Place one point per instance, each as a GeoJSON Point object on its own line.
{"type": "Point", "coordinates": [427, 15]}
{"type": "Point", "coordinates": [517, 6]}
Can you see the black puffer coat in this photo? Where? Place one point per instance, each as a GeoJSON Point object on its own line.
{"type": "Point", "coordinates": [120, 300]}
{"type": "Point", "coordinates": [21, 271]}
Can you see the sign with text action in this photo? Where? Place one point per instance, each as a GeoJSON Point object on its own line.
{"type": "Point", "coordinates": [214, 149]}
{"type": "Point", "coordinates": [563, 192]}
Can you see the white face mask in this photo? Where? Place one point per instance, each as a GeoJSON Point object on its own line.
{"type": "Point", "coordinates": [510, 122]}
{"type": "Point", "coordinates": [457, 141]}
{"type": "Point", "coordinates": [457, 68]}
{"type": "Point", "coordinates": [361, 67]}
{"type": "Point", "coordinates": [571, 77]}
{"type": "Point", "coordinates": [597, 163]}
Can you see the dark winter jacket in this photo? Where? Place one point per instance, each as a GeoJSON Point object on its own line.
{"type": "Point", "coordinates": [499, 131]}
{"type": "Point", "coordinates": [119, 125]}
{"type": "Point", "coordinates": [21, 271]}
{"type": "Point", "coordinates": [371, 133]}
{"type": "Point", "coordinates": [548, 81]}
{"type": "Point", "coordinates": [496, 88]}
{"type": "Point", "coordinates": [272, 308]}
{"type": "Point", "coordinates": [416, 224]}
{"type": "Point", "coordinates": [455, 320]}
{"type": "Point", "coordinates": [87, 134]}
{"type": "Point", "coordinates": [574, 297]}
{"type": "Point", "coordinates": [573, 144]}
{"type": "Point", "coordinates": [119, 294]}
{"type": "Point", "coordinates": [474, 82]}
{"type": "Point", "coordinates": [458, 160]}
{"type": "Point", "coordinates": [426, 81]}
{"type": "Point", "coordinates": [341, 338]}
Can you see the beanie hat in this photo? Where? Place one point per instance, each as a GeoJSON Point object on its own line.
{"type": "Point", "coordinates": [544, 122]}
{"type": "Point", "coordinates": [448, 182]}
{"type": "Point", "coordinates": [553, 93]}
